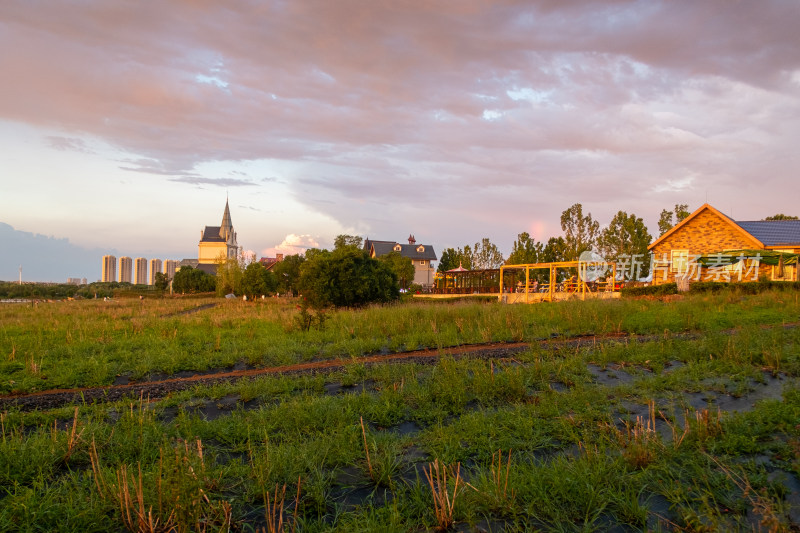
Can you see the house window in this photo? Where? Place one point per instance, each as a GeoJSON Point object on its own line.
{"type": "Point", "coordinates": [397, 248]}
{"type": "Point", "coordinates": [420, 248]}
{"type": "Point", "coordinates": [680, 261]}
{"type": "Point", "coordinates": [422, 263]}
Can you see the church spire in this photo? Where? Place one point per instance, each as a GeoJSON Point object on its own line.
{"type": "Point", "coordinates": [226, 228]}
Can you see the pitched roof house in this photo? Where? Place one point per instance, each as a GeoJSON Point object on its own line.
{"type": "Point", "coordinates": [421, 255]}
{"type": "Point", "coordinates": [710, 246]}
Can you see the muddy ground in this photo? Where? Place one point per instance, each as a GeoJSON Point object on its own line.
{"type": "Point", "coordinates": [160, 386]}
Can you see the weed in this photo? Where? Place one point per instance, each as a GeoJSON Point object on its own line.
{"type": "Point", "coordinates": [444, 502]}
{"type": "Point", "coordinates": [181, 501]}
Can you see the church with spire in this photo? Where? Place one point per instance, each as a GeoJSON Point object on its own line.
{"type": "Point", "coordinates": [216, 241]}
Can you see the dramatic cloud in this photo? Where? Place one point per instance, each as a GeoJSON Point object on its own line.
{"type": "Point", "coordinates": [454, 119]}
{"type": "Point", "coordinates": [293, 244]}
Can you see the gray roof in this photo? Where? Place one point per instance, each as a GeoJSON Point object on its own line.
{"type": "Point", "coordinates": [406, 250]}
{"type": "Point", "coordinates": [774, 232]}
{"type": "Point", "coordinates": [212, 234]}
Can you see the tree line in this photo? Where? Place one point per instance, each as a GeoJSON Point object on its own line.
{"type": "Point", "coordinates": [625, 235]}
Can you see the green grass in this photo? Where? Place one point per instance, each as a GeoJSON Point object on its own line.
{"type": "Point", "coordinates": [586, 451]}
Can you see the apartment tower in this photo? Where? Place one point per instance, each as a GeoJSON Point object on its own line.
{"type": "Point", "coordinates": [170, 266]}
{"type": "Point", "coordinates": [140, 271]}
{"type": "Point", "coordinates": [109, 268]}
{"type": "Point", "coordinates": [155, 268]}
{"type": "Point", "coordinates": [125, 269]}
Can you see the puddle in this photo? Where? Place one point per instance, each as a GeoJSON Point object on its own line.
{"type": "Point", "coordinates": [659, 514]}
{"type": "Point", "coordinates": [351, 498]}
{"type": "Point", "coordinates": [336, 388]}
{"type": "Point", "coordinates": [405, 428]}
{"type": "Point", "coordinates": [792, 485]}
{"type": "Point", "coordinates": [610, 376]}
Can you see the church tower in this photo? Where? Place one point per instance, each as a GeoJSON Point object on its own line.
{"type": "Point", "coordinates": [218, 241]}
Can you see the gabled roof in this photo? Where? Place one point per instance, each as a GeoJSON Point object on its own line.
{"type": "Point", "coordinates": [725, 218]}
{"type": "Point", "coordinates": [368, 243]}
{"type": "Point", "coordinates": [412, 251]}
{"type": "Point", "coordinates": [212, 234]}
{"type": "Point", "coordinates": [774, 232]}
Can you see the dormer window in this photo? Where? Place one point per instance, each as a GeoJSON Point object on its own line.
{"type": "Point", "coordinates": [420, 248]}
{"type": "Point", "coordinates": [397, 247]}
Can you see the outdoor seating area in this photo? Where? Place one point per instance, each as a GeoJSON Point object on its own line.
{"type": "Point", "coordinates": [548, 282]}
{"type": "Point", "coordinates": [461, 281]}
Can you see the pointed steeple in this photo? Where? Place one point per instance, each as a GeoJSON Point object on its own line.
{"type": "Point", "coordinates": [226, 228]}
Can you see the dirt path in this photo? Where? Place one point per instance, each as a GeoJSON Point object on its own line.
{"type": "Point", "coordinates": [157, 389]}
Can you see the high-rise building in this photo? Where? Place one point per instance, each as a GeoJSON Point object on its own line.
{"type": "Point", "coordinates": [155, 268]}
{"type": "Point", "coordinates": [109, 268]}
{"type": "Point", "coordinates": [125, 269]}
{"type": "Point", "coordinates": [170, 266]}
{"type": "Point", "coordinates": [140, 271]}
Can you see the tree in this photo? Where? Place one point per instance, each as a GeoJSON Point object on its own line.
{"type": "Point", "coordinates": [230, 271]}
{"type": "Point", "coordinates": [448, 260]}
{"type": "Point", "coordinates": [554, 251]}
{"type": "Point", "coordinates": [668, 219]}
{"type": "Point", "coordinates": [525, 250]}
{"type": "Point", "coordinates": [287, 272]}
{"type": "Point", "coordinates": [781, 216]}
{"type": "Point", "coordinates": [257, 281]}
{"type": "Point", "coordinates": [161, 281]}
{"type": "Point", "coordinates": [455, 257]}
{"type": "Point", "coordinates": [347, 277]}
{"type": "Point", "coordinates": [625, 237]}
{"type": "Point", "coordinates": [486, 255]}
{"type": "Point", "coordinates": [401, 266]}
{"type": "Point", "coordinates": [347, 240]}
{"type": "Point", "coordinates": [191, 280]}
{"type": "Point", "coordinates": [580, 232]}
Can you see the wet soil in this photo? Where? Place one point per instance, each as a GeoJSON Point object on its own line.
{"type": "Point", "coordinates": [159, 386]}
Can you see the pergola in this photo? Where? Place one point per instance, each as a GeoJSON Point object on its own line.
{"type": "Point", "coordinates": [577, 285]}
{"type": "Point", "coordinates": [462, 281]}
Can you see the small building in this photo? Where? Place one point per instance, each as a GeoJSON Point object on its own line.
{"type": "Point", "coordinates": [421, 255]}
{"type": "Point", "coordinates": [710, 246]}
{"type": "Point", "coordinates": [270, 262]}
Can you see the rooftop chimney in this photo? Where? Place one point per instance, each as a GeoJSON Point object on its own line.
{"type": "Point", "coordinates": [412, 240]}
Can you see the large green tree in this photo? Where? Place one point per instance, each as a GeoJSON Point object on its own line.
{"type": "Point", "coordinates": [486, 255]}
{"type": "Point", "coordinates": [347, 240]}
{"type": "Point", "coordinates": [668, 218]}
{"type": "Point", "coordinates": [455, 257]}
{"type": "Point", "coordinates": [192, 280]}
{"type": "Point", "coordinates": [525, 250]}
{"type": "Point", "coordinates": [625, 240]}
{"type": "Point", "coordinates": [554, 251]}
{"type": "Point", "coordinates": [401, 266]}
{"type": "Point", "coordinates": [580, 232]}
{"type": "Point", "coordinates": [230, 272]}
{"type": "Point", "coordinates": [347, 277]}
{"type": "Point", "coordinates": [287, 273]}
{"type": "Point", "coordinates": [257, 281]}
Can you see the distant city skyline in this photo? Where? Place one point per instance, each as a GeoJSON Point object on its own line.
{"type": "Point", "coordinates": [125, 126]}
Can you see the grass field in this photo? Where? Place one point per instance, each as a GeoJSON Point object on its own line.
{"type": "Point", "coordinates": [695, 432]}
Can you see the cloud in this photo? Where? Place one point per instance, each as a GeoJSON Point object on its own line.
{"type": "Point", "coordinates": [461, 119]}
{"type": "Point", "coordinates": [292, 244]}
{"type": "Point", "coordinates": [73, 144]}
{"type": "Point", "coordinates": [221, 182]}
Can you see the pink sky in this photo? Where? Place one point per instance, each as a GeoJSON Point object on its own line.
{"type": "Point", "coordinates": [127, 123]}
